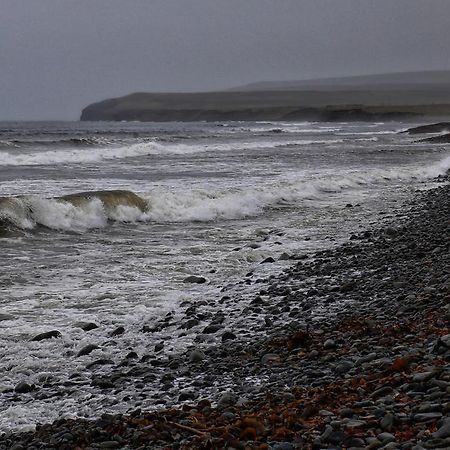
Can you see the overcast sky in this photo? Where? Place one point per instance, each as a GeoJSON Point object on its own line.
{"type": "Point", "coordinates": [56, 56]}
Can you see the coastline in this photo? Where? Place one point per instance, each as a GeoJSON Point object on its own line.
{"type": "Point", "coordinates": [372, 372]}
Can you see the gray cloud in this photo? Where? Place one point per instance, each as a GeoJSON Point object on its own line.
{"type": "Point", "coordinates": [59, 55]}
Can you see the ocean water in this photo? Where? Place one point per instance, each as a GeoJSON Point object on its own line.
{"type": "Point", "coordinates": [102, 222]}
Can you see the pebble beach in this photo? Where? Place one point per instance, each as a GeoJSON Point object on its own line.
{"type": "Point", "coordinates": [371, 371]}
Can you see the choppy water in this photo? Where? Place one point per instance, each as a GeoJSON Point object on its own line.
{"type": "Point", "coordinates": [209, 199]}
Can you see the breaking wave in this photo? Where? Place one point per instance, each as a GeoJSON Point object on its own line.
{"type": "Point", "coordinates": [76, 212]}
{"type": "Point", "coordinates": [88, 210]}
{"type": "Point", "coordinates": [68, 156]}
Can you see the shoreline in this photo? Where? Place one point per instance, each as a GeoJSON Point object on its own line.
{"type": "Point", "coordinates": [349, 382]}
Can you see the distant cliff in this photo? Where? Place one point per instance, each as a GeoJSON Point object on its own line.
{"type": "Point", "coordinates": [316, 103]}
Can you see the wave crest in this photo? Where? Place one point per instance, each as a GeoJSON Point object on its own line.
{"type": "Point", "coordinates": [75, 212]}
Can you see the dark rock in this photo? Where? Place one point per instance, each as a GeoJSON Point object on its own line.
{"type": "Point", "coordinates": [159, 347]}
{"type": "Point", "coordinates": [444, 431]}
{"type": "Point", "coordinates": [431, 128]}
{"type": "Point", "coordinates": [117, 332]}
{"type": "Point", "coordinates": [194, 279]}
{"type": "Point", "coordinates": [23, 388]}
{"type": "Point", "coordinates": [99, 362]}
{"type": "Point", "coordinates": [47, 335]}
{"type": "Point", "coordinates": [87, 349]}
{"type": "Point", "coordinates": [211, 329]}
{"type": "Point", "coordinates": [189, 324]}
{"type": "Point", "coordinates": [102, 383]}
{"type": "Point", "coordinates": [86, 326]}
{"type": "Point", "coordinates": [268, 260]}
{"type": "Point", "coordinates": [329, 344]}
{"type": "Point", "coordinates": [441, 139]}
{"type": "Point", "coordinates": [228, 335]}
{"type": "Point", "coordinates": [187, 395]}
{"type": "Point", "coordinates": [196, 356]}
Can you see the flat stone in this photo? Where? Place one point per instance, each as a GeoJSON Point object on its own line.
{"type": "Point", "coordinates": [423, 417]}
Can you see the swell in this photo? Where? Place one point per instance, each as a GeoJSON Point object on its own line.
{"type": "Point", "coordinates": [62, 142]}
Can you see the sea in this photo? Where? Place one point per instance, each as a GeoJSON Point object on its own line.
{"type": "Point", "coordinates": [103, 223]}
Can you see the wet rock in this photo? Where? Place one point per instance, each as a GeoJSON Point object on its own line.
{"type": "Point", "coordinates": [24, 388]}
{"type": "Point", "coordinates": [159, 347]}
{"type": "Point", "coordinates": [117, 332]}
{"type": "Point", "coordinates": [268, 260]}
{"type": "Point", "coordinates": [47, 335]}
{"type": "Point", "coordinates": [87, 349]}
{"type": "Point", "coordinates": [102, 383]}
{"type": "Point", "coordinates": [99, 362]}
{"type": "Point", "coordinates": [228, 335]}
{"type": "Point", "coordinates": [187, 395]}
{"type": "Point", "coordinates": [86, 326]}
{"type": "Point", "coordinates": [211, 329]}
{"type": "Point", "coordinates": [194, 279]}
{"type": "Point", "coordinates": [438, 127]}
{"type": "Point", "coordinates": [196, 356]}
{"type": "Point", "coordinates": [189, 324]}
